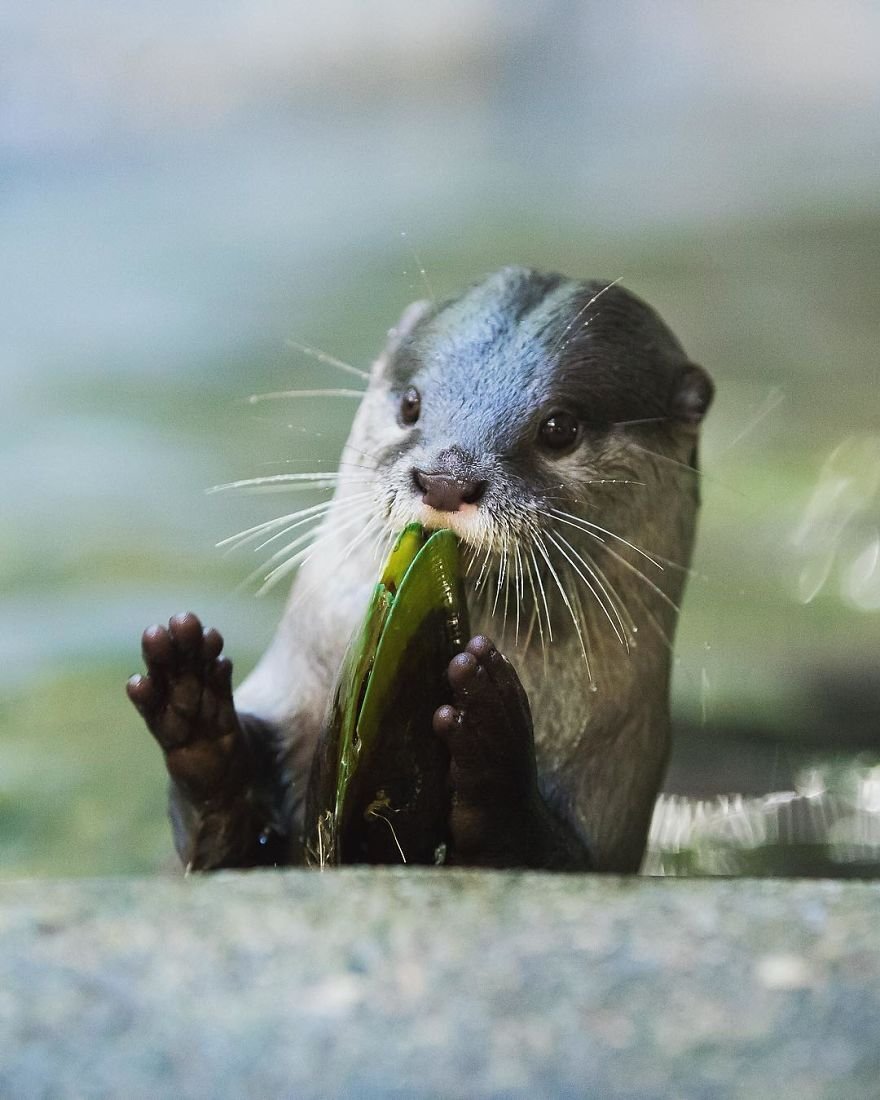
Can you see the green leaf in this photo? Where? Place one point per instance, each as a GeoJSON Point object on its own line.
{"type": "Point", "coordinates": [378, 787]}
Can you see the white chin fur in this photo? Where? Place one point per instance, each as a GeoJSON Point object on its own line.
{"type": "Point", "coordinates": [468, 522]}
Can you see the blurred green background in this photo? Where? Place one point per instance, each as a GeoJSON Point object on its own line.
{"type": "Point", "coordinates": [183, 190]}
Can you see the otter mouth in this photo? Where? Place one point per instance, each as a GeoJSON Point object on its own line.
{"type": "Point", "coordinates": [466, 522]}
{"type": "Point", "coordinates": [544, 568]}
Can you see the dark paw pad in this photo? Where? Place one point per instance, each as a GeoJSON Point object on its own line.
{"type": "Point", "coordinates": [489, 717]}
{"type": "Point", "coordinates": [186, 700]}
{"type": "Point", "coordinates": [488, 731]}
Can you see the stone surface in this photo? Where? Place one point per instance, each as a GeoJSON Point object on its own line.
{"type": "Point", "coordinates": [412, 983]}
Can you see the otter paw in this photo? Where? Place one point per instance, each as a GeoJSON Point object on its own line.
{"type": "Point", "coordinates": [186, 701]}
{"type": "Point", "coordinates": [488, 731]}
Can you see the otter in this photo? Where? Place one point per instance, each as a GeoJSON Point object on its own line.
{"type": "Point", "coordinates": [553, 425]}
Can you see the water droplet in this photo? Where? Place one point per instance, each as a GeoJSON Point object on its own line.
{"type": "Point", "coordinates": [635, 630]}
{"type": "Point", "coordinates": [594, 688]}
{"type": "Point", "coordinates": [707, 647]}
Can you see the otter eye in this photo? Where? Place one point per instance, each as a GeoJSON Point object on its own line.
{"type": "Point", "coordinates": [559, 432]}
{"type": "Point", "coordinates": [410, 406]}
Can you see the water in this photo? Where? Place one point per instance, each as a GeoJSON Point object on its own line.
{"type": "Point", "coordinates": [179, 196]}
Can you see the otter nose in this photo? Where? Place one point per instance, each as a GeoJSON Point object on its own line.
{"type": "Point", "coordinates": [446, 493]}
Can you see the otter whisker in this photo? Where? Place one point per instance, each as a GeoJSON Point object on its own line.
{"type": "Point", "coordinates": [251, 533]}
{"type": "Point", "coordinates": [468, 558]}
{"type": "Point", "coordinates": [374, 541]}
{"type": "Point", "coordinates": [310, 478]}
{"type": "Point", "coordinates": [368, 532]}
{"type": "Point", "coordinates": [317, 487]}
{"type": "Point", "coordinates": [349, 465]}
{"type": "Point", "coordinates": [283, 556]}
{"type": "Point", "coordinates": [275, 574]}
{"type": "Point", "coordinates": [383, 544]}
{"type": "Point", "coordinates": [612, 598]}
{"type": "Point", "coordinates": [326, 357]}
{"type": "Point", "coordinates": [504, 579]}
{"type": "Point", "coordinates": [771, 402]}
{"type": "Point", "coordinates": [422, 272]}
{"type": "Point", "coordinates": [305, 555]}
{"type": "Point", "coordinates": [614, 595]}
{"type": "Point", "coordinates": [653, 556]}
{"type": "Point", "coordinates": [486, 593]}
{"type": "Point", "coordinates": [661, 633]}
{"type": "Point", "coordinates": [363, 508]}
{"type": "Point", "coordinates": [313, 518]}
{"type": "Point", "coordinates": [364, 454]}
{"type": "Point", "coordinates": [588, 527]}
{"type": "Point", "coordinates": [649, 615]}
{"type": "Point", "coordinates": [519, 593]}
{"type": "Point", "coordinates": [358, 498]}
{"type": "Point", "coordinates": [484, 566]}
{"type": "Point", "coordinates": [529, 631]}
{"type": "Point", "coordinates": [666, 458]}
{"type": "Point", "coordinates": [615, 481]}
{"type": "Point", "coordinates": [535, 582]}
{"type": "Point", "coordinates": [542, 549]}
{"type": "Point", "coordinates": [689, 469]}
{"type": "Point", "coordinates": [329, 472]}
{"type": "Point", "coordinates": [535, 614]}
{"type": "Point", "coordinates": [582, 618]}
{"type": "Point", "coordinates": [506, 591]}
{"type": "Point", "coordinates": [573, 558]}
{"type": "Point", "coordinates": [647, 580]}
{"type": "Point", "coordinates": [259, 572]}
{"type": "Point", "coordinates": [277, 395]}
{"type": "Point", "coordinates": [560, 345]}
{"type": "Point", "coordinates": [540, 583]}
{"type": "Point", "coordinates": [499, 577]}
{"type": "Point", "coordinates": [370, 463]}
{"type": "Point", "coordinates": [566, 494]}
{"type": "Point", "coordinates": [671, 564]}
{"type": "Point", "coordinates": [641, 420]}
{"type": "Point", "coordinates": [301, 556]}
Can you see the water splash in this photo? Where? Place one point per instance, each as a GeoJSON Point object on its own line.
{"type": "Point", "coordinates": [838, 538]}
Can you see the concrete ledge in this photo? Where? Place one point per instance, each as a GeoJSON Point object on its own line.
{"type": "Point", "coordinates": [370, 983]}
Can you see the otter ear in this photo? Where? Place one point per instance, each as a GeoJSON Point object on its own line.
{"type": "Point", "coordinates": [410, 317]}
{"type": "Point", "coordinates": [692, 395]}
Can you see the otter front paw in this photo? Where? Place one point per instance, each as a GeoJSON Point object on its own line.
{"type": "Point", "coordinates": [498, 818]}
{"type": "Point", "coordinates": [228, 792]}
{"type": "Point", "coordinates": [186, 701]}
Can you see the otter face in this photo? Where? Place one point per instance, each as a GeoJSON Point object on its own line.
{"type": "Point", "coordinates": [525, 398]}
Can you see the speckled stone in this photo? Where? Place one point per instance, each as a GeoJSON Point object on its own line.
{"type": "Point", "coordinates": [439, 983]}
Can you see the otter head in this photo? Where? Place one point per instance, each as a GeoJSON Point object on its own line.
{"type": "Point", "coordinates": [533, 413]}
